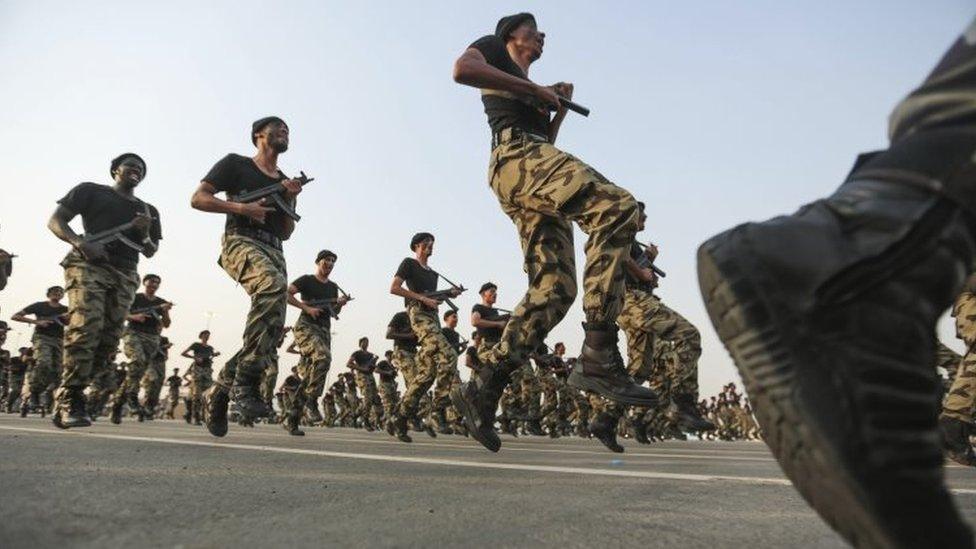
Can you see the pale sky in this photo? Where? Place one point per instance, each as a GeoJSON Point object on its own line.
{"type": "Point", "coordinates": [711, 113]}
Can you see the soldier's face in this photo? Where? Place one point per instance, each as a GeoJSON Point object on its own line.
{"type": "Point", "coordinates": [364, 344]}
{"type": "Point", "coordinates": [427, 247]}
{"type": "Point", "coordinates": [151, 285]}
{"type": "Point", "coordinates": [56, 295]}
{"type": "Point", "coordinates": [277, 136]}
{"type": "Point", "coordinates": [490, 295]}
{"type": "Point", "coordinates": [3, 336]}
{"type": "Point", "coordinates": [326, 265]}
{"type": "Point", "coordinates": [451, 321]}
{"type": "Point", "coordinates": [130, 172]}
{"type": "Point", "coordinates": [528, 37]}
{"type": "Point", "coordinates": [641, 220]}
{"type": "Point", "coordinates": [560, 350]}
{"type": "Point", "coordinates": [204, 337]}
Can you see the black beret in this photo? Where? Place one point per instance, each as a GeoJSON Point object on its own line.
{"type": "Point", "coordinates": [418, 238]}
{"type": "Point", "coordinates": [324, 254]}
{"type": "Point", "coordinates": [259, 125]}
{"type": "Point", "coordinates": [487, 286]}
{"type": "Point", "coordinates": [118, 160]}
{"type": "Point", "coordinates": [509, 23]}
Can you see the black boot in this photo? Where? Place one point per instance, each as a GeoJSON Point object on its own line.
{"type": "Point", "coordinates": [116, 415]}
{"type": "Point", "coordinates": [134, 407]}
{"type": "Point", "coordinates": [600, 368]}
{"type": "Point", "coordinates": [534, 428]}
{"type": "Point", "coordinates": [400, 428]}
{"type": "Point", "coordinates": [640, 429]}
{"type": "Point", "coordinates": [829, 316]}
{"type": "Point", "coordinates": [312, 413]}
{"type": "Point", "coordinates": [290, 420]}
{"type": "Point", "coordinates": [215, 403]}
{"type": "Point", "coordinates": [955, 440]}
{"type": "Point", "coordinates": [687, 416]}
{"type": "Point", "coordinates": [604, 428]}
{"type": "Point", "coordinates": [477, 402]}
{"type": "Point", "coordinates": [248, 400]}
{"type": "Point", "coordinates": [441, 420]}
{"type": "Point", "coordinates": [188, 414]}
{"type": "Point", "coordinates": [69, 409]}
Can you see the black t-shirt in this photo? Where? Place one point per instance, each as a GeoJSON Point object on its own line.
{"type": "Point", "coordinates": [44, 310]}
{"type": "Point", "coordinates": [417, 278]}
{"type": "Point", "coordinates": [202, 352]}
{"type": "Point", "coordinates": [386, 370]}
{"type": "Point", "coordinates": [312, 289]}
{"type": "Point", "coordinates": [506, 112]}
{"type": "Point", "coordinates": [235, 174]}
{"type": "Point", "coordinates": [451, 336]}
{"type": "Point", "coordinates": [400, 324]}
{"type": "Point", "coordinates": [17, 366]}
{"type": "Point", "coordinates": [490, 335]}
{"type": "Point", "coordinates": [362, 358]}
{"type": "Point", "coordinates": [174, 382]}
{"type": "Point", "coordinates": [151, 325]}
{"type": "Point", "coordinates": [101, 209]}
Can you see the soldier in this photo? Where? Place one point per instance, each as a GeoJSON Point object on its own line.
{"type": "Point", "coordinates": [49, 320]}
{"type": "Point", "coordinates": [388, 387]}
{"type": "Point", "coordinates": [4, 363]}
{"type": "Point", "coordinates": [404, 357]}
{"type": "Point", "coordinates": [445, 375]}
{"type": "Point", "coordinates": [104, 385]}
{"type": "Point", "coordinates": [956, 421]}
{"type": "Point", "coordinates": [148, 315]}
{"type": "Point", "coordinates": [251, 254]}
{"type": "Point", "coordinates": [837, 303]}
{"type": "Point", "coordinates": [152, 380]}
{"type": "Point", "coordinates": [173, 382]}
{"type": "Point", "coordinates": [291, 389]}
{"type": "Point", "coordinates": [329, 409]}
{"type": "Point", "coordinates": [320, 300]}
{"type": "Point", "coordinates": [201, 374]}
{"type": "Point", "coordinates": [560, 190]}
{"type": "Point", "coordinates": [102, 276]}
{"type": "Point", "coordinates": [338, 390]}
{"type": "Point", "coordinates": [435, 352]}
{"type": "Point", "coordinates": [352, 398]}
{"type": "Point", "coordinates": [16, 372]}
{"type": "Point", "coordinates": [363, 363]}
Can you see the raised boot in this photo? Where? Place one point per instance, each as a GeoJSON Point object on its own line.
{"type": "Point", "coordinates": [600, 368]}
{"type": "Point", "coordinates": [312, 414]}
{"type": "Point", "coordinates": [955, 440]}
{"type": "Point", "coordinates": [215, 403]}
{"type": "Point", "coordinates": [400, 428]}
{"type": "Point", "coordinates": [687, 416]}
{"type": "Point", "coordinates": [477, 402]}
{"type": "Point", "coordinates": [829, 315]}
{"type": "Point", "coordinates": [69, 408]}
{"type": "Point", "coordinates": [604, 428]}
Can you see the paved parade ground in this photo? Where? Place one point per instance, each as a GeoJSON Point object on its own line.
{"type": "Point", "coordinates": [169, 484]}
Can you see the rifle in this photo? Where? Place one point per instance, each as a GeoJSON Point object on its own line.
{"type": "Point", "coordinates": [446, 295]}
{"type": "Point", "coordinates": [115, 234]}
{"type": "Point", "coordinates": [274, 193]}
{"type": "Point", "coordinates": [57, 319]}
{"type": "Point", "coordinates": [645, 262]}
{"type": "Point", "coordinates": [564, 102]}
{"type": "Point", "coordinates": [328, 305]}
{"type": "Point", "coordinates": [152, 310]}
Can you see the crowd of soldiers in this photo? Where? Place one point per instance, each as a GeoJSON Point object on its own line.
{"type": "Point", "coordinates": [828, 313]}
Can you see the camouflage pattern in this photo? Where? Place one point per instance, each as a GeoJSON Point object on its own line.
{"type": "Point", "coordinates": [152, 380]}
{"type": "Point", "coordinates": [140, 349]}
{"type": "Point", "coordinates": [367, 387]}
{"type": "Point", "coordinates": [328, 410]}
{"type": "Point", "coordinates": [343, 412]}
{"type": "Point", "coordinates": [46, 369]}
{"type": "Point", "coordinates": [406, 364]}
{"type": "Point", "coordinates": [443, 382]}
{"type": "Point", "coordinates": [960, 402]}
{"type": "Point", "coordinates": [433, 353]}
{"type": "Point", "coordinates": [315, 343]}
{"type": "Point", "coordinates": [15, 387]}
{"type": "Point", "coordinates": [99, 297]}
{"type": "Point", "coordinates": [528, 392]}
{"type": "Point", "coordinates": [268, 380]}
{"type": "Point", "coordinates": [947, 359]}
{"type": "Point", "coordinates": [543, 191]}
{"type": "Point", "coordinates": [389, 397]}
{"type": "Point", "coordinates": [260, 270]}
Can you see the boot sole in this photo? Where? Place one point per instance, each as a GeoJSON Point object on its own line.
{"type": "Point", "coordinates": [584, 383]}
{"type": "Point", "coordinates": [467, 413]}
{"type": "Point", "coordinates": [747, 328]}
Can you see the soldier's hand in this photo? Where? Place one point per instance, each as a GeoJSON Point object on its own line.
{"type": "Point", "coordinates": [43, 323]}
{"type": "Point", "coordinates": [166, 306]}
{"type": "Point", "coordinates": [92, 251]}
{"type": "Point", "coordinates": [563, 89]}
{"type": "Point", "coordinates": [141, 223]}
{"type": "Point", "coordinates": [292, 187]}
{"type": "Point", "coordinates": [455, 292]}
{"type": "Point", "coordinates": [342, 301]}
{"type": "Point", "coordinates": [430, 302]}
{"type": "Point", "coordinates": [547, 95]}
{"type": "Point", "coordinates": [651, 251]}
{"type": "Point", "coordinates": [255, 211]}
{"type": "Point", "coordinates": [313, 312]}
{"type": "Point", "coordinates": [139, 317]}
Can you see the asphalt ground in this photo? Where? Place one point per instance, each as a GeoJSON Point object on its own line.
{"type": "Point", "coordinates": [169, 484]}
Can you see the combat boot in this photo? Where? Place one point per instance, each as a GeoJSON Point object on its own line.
{"type": "Point", "coordinates": [534, 428]}
{"type": "Point", "coordinates": [604, 429]}
{"type": "Point", "coordinates": [640, 429]}
{"type": "Point", "coordinates": [600, 368]}
{"type": "Point", "coordinates": [687, 416]}
{"type": "Point", "coordinates": [312, 413]}
{"type": "Point", "coordinates": [477, 402]}
{"type": "Point", "coordinates": [289, 422]}
{"type": "Point", "coordinates": [955, 440]}
{"type": "Point", "coordinates": [69, 408]}
{"type": "Point", "coordinates": [442, 426]}
{"type": "Point", "coordinates": [829, 315]}
{"type": "Point", "coordinates": [132, 400]}
{"type": "Point", "coordinates": [149, 409]}
{"type": "Point", "coordinates": [215, 403]}
{"type": "Point", "coordinates": [188, 414]}
{"type": "Point", "coordinates": [248, 400]}
{"type": "Point", "coordinates": [400, 427]}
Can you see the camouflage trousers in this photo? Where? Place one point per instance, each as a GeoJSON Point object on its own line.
{"type": "Point", "coordinates": [268, 380]}
{"type": "Point", "coordinates": [947, 359]}
{"type": "Point", "coordinates": [433, 355]}
{"type": "Point", "coordinates": [99, 297]}
{"type": "Point", "coordinates": [15, 387]}
{"type": "Point", "coordinates": [544, 190]}
{"type": "Point", "coordinates": [389, 396]}
{"type": "Point", "coordinates": [960, 401]}
{"type": "Point", "coordinates": [328, 412]}
{"type": "Point", "coordinates": [140, 348]}
{"type": "Point", "coordinates": [152, 380]}
{"type": "Point", "coordinates": [549, 410]}
{"type": "Point", "coordinates": [43, 374]}
{"type": "Point", "coordinates": [315, 343]}
{"type": "Point", "coordinates": [260, 270]}
{"type": "Point", "coordinates": [355, 405]}
{"type": "Point", "coordinates": [406, 362]}
{"type": "Point", "coordinates": [371, 399]}
{"type": "Point", "coordinates": [172, 401]}
{"type": "Point", "coordinates": [342, 409]}
{"type": "Point", "coordinates": [526, 391]}
{"type": "Point", "coordinates": [443, 383]}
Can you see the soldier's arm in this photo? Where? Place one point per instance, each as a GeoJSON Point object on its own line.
{"type": "Point", "coordinates": [472, 69]}
{"type": "Point", "coordinates": [21, 316]}
{"type": "Point", "coordinates": [638, 272]}
{"type": "Point", "coordinates": [186, 353]}
{"type": "Point", "coordinates": [205, 200]}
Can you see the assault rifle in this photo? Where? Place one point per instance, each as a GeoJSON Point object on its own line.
{"type": "Point", "coordinates": [57, 319]}
{"type": "Point", "coordinates": [274, 194]}
{"type": "Point", "coordinates": [152, 310]}
{"type": "Point", "coordinates": [563, 102]}
{"type": "Point", "coordinates": [645, 262]}
{"type": "Point", "coordinates": [116, 234]}
{"type": "Point", "coordinates": [329, 305]}
{"type": "Point", "coordinates": [446, 295]}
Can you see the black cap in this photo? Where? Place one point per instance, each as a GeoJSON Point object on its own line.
{"type": "Point", "coordinates": [259, 125]}
{"type": "Point", "coordinates": [509, 23]}
{"type": "Point", "coordinates": [487, 286]}
{"type": "Point", "coordinates": [418, 238]}
{"type": "Point", "coordinates": [324, 254]}
{"type": "Point", "coordinates": [118, 160]}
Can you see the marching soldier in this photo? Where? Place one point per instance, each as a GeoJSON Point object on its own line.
{"type": "Point", "coordinates": [152, 380]}
{"type": "Point", "coordinates": [101, 276]}
{"type": "Point", "coordinates": [49, 320]}
{"type": "Point", "coordinates": [251, 254]}
{"type": "Point", "coordinates": [362, 363]}
{"type": "Point", "coordinates": [148, 315]}
{"type": "Point", "coordinates": [173, 383]}
{"type": "Point", "coordinates": [201, 374]}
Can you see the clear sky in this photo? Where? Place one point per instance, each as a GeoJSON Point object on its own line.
{"type": "Point", "coordinates": [713, 113]}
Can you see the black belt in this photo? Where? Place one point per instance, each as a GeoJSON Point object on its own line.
{"type": "Point", "coordinates": [508, 134]}
{"type": "Point", "coordinates": [262, 236]}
